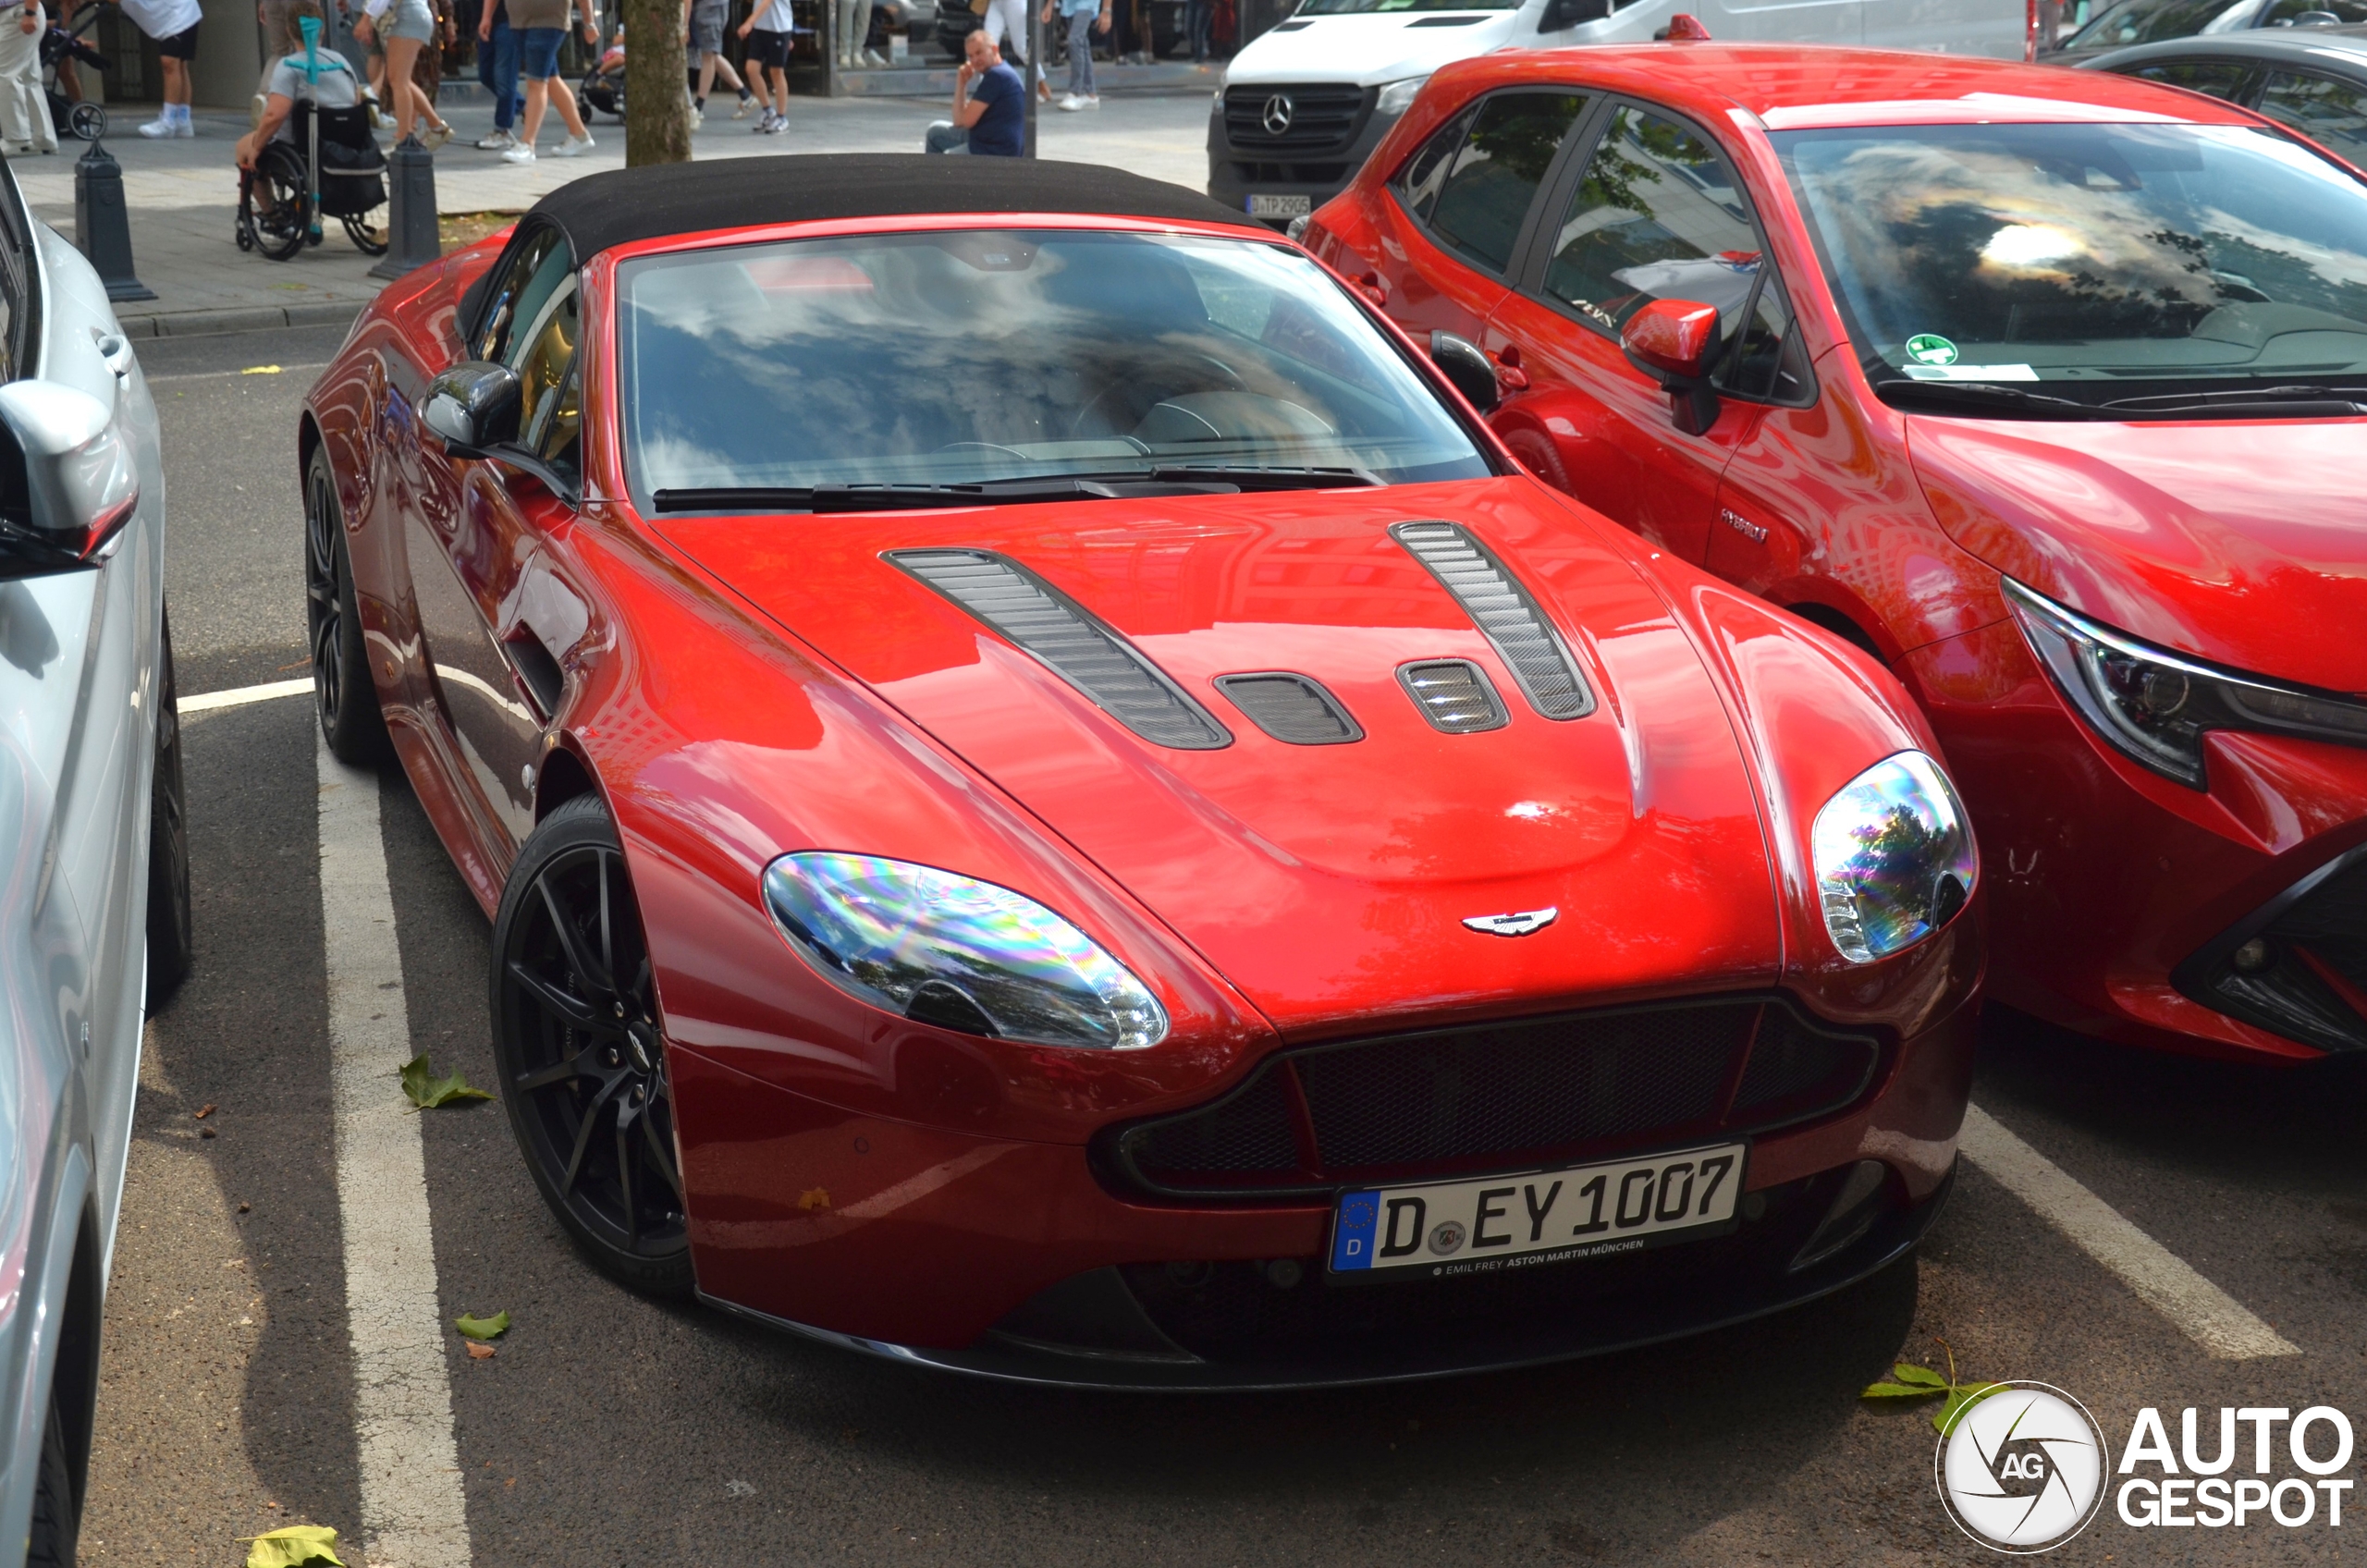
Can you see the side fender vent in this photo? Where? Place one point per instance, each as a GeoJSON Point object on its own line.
{"type": "Point", "coordinates": [1505, 615]}
{"type": "Point", "coordinates": [1291, 708]}
{"type": "Point", "coordinates": [1069, 641]}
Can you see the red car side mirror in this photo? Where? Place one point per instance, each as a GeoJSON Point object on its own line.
{"type": "Point", "coordinates": [1677, 342]}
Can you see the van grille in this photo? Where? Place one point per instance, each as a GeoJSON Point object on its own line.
{"type": "Point", "coordinates": [1324, 117]}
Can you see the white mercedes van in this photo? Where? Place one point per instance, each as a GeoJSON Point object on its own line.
{"type": "Point", "coordinates": [1309, 98]}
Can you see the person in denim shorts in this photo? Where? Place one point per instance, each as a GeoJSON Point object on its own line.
{"type": "Point", "coordinates": [707, 18]}
{"type": "Point", "coordinates": [542, 25]}
{"type": "Point", "coordinates": [404, 28]}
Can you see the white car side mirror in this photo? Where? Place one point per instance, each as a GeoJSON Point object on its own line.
{"type": "Point", "coordinates": [67, 483]}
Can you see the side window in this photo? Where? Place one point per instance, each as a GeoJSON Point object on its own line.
{"type": "Point", "coordinates": [1489, 184]}
{"type": "Point", "coordinates": [1418, 183]}
{"type": "Point", "coordinates": [2220, 78]}
{"type": "Point", "coordinates": [514, 296]}
{"type": "Point", "coordinates": [2333, 114]}
{"type": "Point", "coordinates": [548, 417]}
{"type": "Point", "coordinates": [1657, 216]}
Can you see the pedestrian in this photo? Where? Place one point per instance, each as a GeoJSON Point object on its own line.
{"type": "Point", "coordinates": [768, 35]}
{"type": "Point", "coordinates": [172, 24]}
{"type": "Point", "coordinates": [498, 69]}
{"type": "Point", "coordinates": [319, 75]}
{"type": "Point", "coordinates": [1083, 24]}
{"type": "Point", "coordinates": [279, 39]}
{"type": "Point", "coordinates": [705, 19]}
{"type": "Point", "coordinates": [1199, 17]}
{"type": "Point", "coordinates": [406, 27]}
{"type": "Point", "coordinates": [542, 26]}
{"type": "Point", "coordinates": [854, 33]}
{"type": "Point", "coordinates": [990, 106]}
{"type": "Point", "coordinates": [24, 107]}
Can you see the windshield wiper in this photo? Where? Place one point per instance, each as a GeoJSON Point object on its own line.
{"type": "Point", "coordinates": [2300, 400]}
{"type": "Point", "coordinates": [1248, 476]}
{"type": "Point", "coordinates": [1986, 396]}
{"type": "Point", "coordinates": [1118, 485]}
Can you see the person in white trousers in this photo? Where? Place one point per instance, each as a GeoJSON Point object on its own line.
{"type": "Point", "coordinates": [1007, 18]}
{"type": "Point", "coordinates": [24, 108]}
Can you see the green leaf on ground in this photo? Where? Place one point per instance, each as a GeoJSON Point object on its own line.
{"type": "Point", "coordinates": [1922, 1382]}
{"type": "Point", "coordinates": [1961, 1398]}
{"type": "Point", "coordinates": [1895, 1390]}
{"type": "Point", "coordinates": [292, 1547]}
{"type": "Point", "coordinates": [427, 1091]}
{"type": "Point", "coordinates": [491, 1328]}
{"type": "Point", "coordinates": [1907, 1372]}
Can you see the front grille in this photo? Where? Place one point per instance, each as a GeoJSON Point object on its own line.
{"type": "Point", "coordinates": [1263, 173]}
{"type": "Point", "coordinates": [2302, 972]}
{"type": "Point", "coordinates": [1324, 117]}
{"type": "Point", "coordinates": [1538, 1091]}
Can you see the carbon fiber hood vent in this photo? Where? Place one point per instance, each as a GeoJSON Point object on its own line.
{"type": "Point", "coordinates": [1071, 642]}
{"type": "Point", "coordinates": [1505, 614]}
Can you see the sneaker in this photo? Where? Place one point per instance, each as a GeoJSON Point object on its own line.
{"type": "Point", "coordinates": [521, 153]}
{"type": "Point", "coordinates": [574, 146]}
{"type": "Point", "coordinates": [746, 103]}
{"type": "Point", "coordinates": [183, 126]}
{"type": "Point", "coordinates": [779, 124]}
{"type": "Point", "coordinates": [763, 124]}
{"type": "Point", "coordinates": [434, 136]}
{"type": "Point", "coordinates": [499, 142]}
{"type": "Point", "coordinates": [1091, 101]}
{"type": "Point", "coordinates": [1071, 103]}
{"type": "Point", "coordinates": [873, 60]}
{"type": "Point", "coordinates": [157, 129]}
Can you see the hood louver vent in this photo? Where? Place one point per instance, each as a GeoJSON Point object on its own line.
{"type": "Point", "coordinates": [1061, 633]}
{"type": "Point", "coordinates": [1505, 614]}
{"type": "Point", "coordinates": [1454, 694]}
{"type": "Point", "coordinates": [1291, 708]}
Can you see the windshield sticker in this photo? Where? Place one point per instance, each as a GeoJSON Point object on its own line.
{"type": "Point", "coordinates": [1931, 348]}
{"type": "Point", "coordinates": [1972, 373]}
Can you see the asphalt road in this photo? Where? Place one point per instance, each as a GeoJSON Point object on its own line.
{"type": "Point", "coordinates": [611, 1431]}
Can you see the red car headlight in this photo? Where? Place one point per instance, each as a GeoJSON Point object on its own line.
{"type": "Point", "coordinates": [1895, 857]}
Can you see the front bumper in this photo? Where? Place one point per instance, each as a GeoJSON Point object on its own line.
{"type": "Point", "coordinates": [1239, 169]}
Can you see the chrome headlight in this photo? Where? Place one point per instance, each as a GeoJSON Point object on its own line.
{"type": "Point", "coordinates": [957, 952]}
{"type": "Point", "coordinates": [1895, 858]}
{"type": "Point", "coordinates": [2154, 705]}
{"type": "Point", "coordinates": [1397, 97]}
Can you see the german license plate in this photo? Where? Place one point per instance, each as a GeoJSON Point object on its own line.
{"type": "Point", "coordinates": [1497, 1222]}
{"type": "Point", "coordinates": [1281, 206]}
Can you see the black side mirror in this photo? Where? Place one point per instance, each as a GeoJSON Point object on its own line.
{"type": "Point", "coordinates": [473, 408]}
{"type": "Point", "coordinates": [67, 482]}
{"type": "Point", "coordinates": [1560, 14]}
{"type": "Point", "coordinates": [1462, 363]}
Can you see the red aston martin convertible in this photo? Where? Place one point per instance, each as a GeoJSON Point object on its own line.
{"type": "Point", "coordinates": [2045, 388]}
{"type": "Point", "coordinates": [1055, 806]}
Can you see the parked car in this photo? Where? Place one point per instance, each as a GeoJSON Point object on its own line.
{"type": "Point", "coordinates": [1054, 806]}
{"type": "Point", "coordinates": [2045, 388]}
{"type": "Point", "coordinates": [1306, 103]}
{"type": "Point", "coordinates": [2311, 81]}
{"type": "Point", "coordinates": [2088, 28]}
{"type": "Point", "coordinates": [94, 861]}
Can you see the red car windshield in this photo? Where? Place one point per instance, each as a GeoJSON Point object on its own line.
{"type": "Point", "coordinates": [972, 356]}
{"type": "Point", "coordinates": [2105, 261]}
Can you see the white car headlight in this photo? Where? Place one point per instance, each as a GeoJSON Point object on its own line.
{"type": "Point", "coordinates": [1895, 857]}
{"type": "Point", "coordinates": [958, 953]}
{"type": "Point", "coordinates": [1398, 96]}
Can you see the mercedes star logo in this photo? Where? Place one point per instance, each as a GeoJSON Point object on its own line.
{"type": "Point", "coordinates": [1517, 924]}
{"type": "Point", "coordinates": [1276, 116]}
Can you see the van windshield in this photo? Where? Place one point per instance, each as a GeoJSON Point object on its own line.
{"type": "Point", "coordinates": [2105, 261]}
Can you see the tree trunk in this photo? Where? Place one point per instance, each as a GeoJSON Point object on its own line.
{"type": "Point", "coordinates": [658, 102]}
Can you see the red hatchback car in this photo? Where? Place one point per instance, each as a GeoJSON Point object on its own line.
{"type": "Point", "coordinates": [2045, 388]}
{"type": "Point", "coordinates": [1054, 804]}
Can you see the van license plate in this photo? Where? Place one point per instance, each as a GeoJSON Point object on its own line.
{"type": "Point", "coordinates": [1281, 206]}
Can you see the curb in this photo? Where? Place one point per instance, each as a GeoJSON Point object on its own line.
{"type": "Point", "coordinates": [265, 318]}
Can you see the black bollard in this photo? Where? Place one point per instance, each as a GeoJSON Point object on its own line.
{"type": "Point", "coordinates": [103, 226]}
{"type": "Point", "coordinates": [412, 240]}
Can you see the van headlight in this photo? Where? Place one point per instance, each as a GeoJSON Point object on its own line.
{"type": "Point", "coordinates": [1398, 96]}
{"type": "Point", "coordinates": [957, 952]}
{"type": "Point", "coordinates": [2155, 706]}
{"type": "Point", "coordinates": [1894, 858]}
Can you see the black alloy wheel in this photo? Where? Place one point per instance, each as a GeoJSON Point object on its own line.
{"type": "Point", "coordinates": [342, 692]}
{"type": "Point", "coordinates": [171, 928]}
{"type": "Point", "coordinates": [580, 1047]}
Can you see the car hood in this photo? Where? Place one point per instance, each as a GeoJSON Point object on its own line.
{"type": "Point", "coordinates": [2238, 542]}
{"type": "Point", "coordinates": [1369, 49]}
{"type": "Point", "coordinates": [1329, 882]}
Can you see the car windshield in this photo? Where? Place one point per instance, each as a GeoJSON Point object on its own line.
{"type": "Point", "coordinates": [2148, 21]}
{"type": "Point", "coordinates": [1344, 7]}
{"type": "Point", "coordinates": [2106, 260]}
{"type": "Point", "coordinates": [969, 357]}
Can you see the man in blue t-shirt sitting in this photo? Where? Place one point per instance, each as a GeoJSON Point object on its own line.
{"type": "Point", "coordinates": [990, 106]}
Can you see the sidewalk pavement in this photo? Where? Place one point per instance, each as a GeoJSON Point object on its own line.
{"type": "Point", "coordinates": [183, 194]}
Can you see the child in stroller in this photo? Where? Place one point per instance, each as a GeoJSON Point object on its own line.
{"type": "Point", "coordinates": [311, 156]}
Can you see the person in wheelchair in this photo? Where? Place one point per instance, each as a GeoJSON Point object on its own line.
{"type": "Point", "coordinates": [310, 155]}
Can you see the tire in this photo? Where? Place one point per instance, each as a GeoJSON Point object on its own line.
{"type": "Point", "coordinates": [579, 1050]}
{"type": "Point", "coordinates": [57, 1516]}
{"type": "Point", "coordinates": [171, 928]}
{"type": "Point", "coordinates": [86, 121]}
{"type": "Point", "coordinates": [342, 692]}
{"type": "Point", "coordinates": [281, 232]}
{"type": "Point", "coordinates": [368, 241]}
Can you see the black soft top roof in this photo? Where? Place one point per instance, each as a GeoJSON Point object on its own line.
{"type": "Point", "coordinates": [619, 206]}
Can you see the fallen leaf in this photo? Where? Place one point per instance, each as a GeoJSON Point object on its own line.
{"type": "Point", "coordinates": [260, 370]}
{"type": "Point", "coordinates": [293, 1546]}
{"type": "Point", "coordinates": [427, 1091]}
{"type": "Point", "coordinates": [814, 1197]}
{"type": "Point", "coordinates": [491, 1328]}
{"type": "Point", "coordinates": [480, 1353]}
{"type": "Point", "coordinates": [205, 1110]}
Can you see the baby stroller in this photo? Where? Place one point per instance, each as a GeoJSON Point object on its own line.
{"type": "Point", "coordinates": [59, 46]}
{"type": "Point", "coordinates": [330, 167]}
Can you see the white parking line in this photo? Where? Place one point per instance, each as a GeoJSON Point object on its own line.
{"type": "Point", "coordinates": [413, 1512]}
{"type": "Point", "coordinates": [239, 696]}
{"type": "Point", "coordinates": [2201, 1311]}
